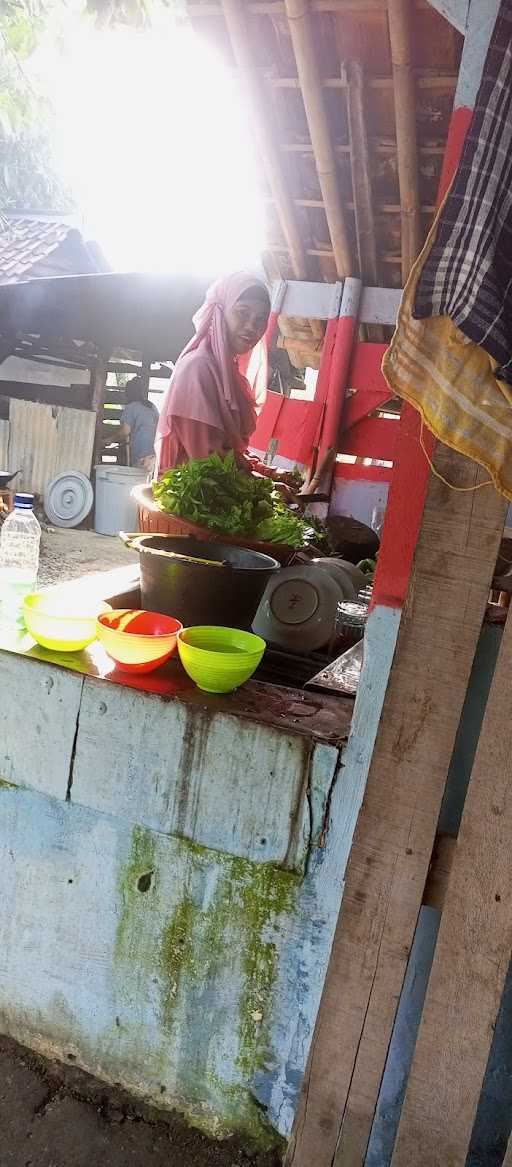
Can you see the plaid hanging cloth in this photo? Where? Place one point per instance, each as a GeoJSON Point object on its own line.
{"type": "Point", "coordinates": [468, 274]}
{"type": "Point", "coordinates": [451, 355]}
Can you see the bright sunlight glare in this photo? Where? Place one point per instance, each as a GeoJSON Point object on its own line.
{"type": "Point", "coordinates": [155, 143]}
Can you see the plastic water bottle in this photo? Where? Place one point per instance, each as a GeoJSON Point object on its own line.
{"type": "Point", "coordinates": [19, 558]}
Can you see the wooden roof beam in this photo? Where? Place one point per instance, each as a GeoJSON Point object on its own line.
{"type": "Point", "coordinates": [302, 36]}
{"type": "Point", "coordinates": [382, 208]}
{"type": "Point", "coordinates": [325, 251]}
{"type": "Point", "coordinates": [277, 7]}
{"type": "Point", "coordinates": [379, 146]}
{"type": "Point", "coordinates": [424, 80]}
{"type": "Point", "coordinates": [399, 18]}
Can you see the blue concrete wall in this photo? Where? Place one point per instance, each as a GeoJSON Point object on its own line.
{"type": "Point", "coordinates": [171, 882]}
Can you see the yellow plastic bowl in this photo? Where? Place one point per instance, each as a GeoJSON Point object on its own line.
{"type": "Point", "coordinates": [219, 659]}
{"type": "Point", "coordinates": [61, 623]}
{"type": "Point", "coordinates": [136, 640]}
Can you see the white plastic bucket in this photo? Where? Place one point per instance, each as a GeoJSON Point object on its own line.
{"type": "Point", "coordinates": [115, 510]}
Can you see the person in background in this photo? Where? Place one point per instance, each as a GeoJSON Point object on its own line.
{"type": "Point", "coordinates": [139, 420]}
{"type": "Point", "coordinates": [210, 406]}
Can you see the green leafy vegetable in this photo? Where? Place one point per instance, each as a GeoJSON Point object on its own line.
{"type": "Point", "coordinates": [214, 493]}
{"type": "Point", "coordinates": [367, 566]}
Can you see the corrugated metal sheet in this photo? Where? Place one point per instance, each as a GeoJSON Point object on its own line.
{"type": "Point", "coordinates": [47, 439]}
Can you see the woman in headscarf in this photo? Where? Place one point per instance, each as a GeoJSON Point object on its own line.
{"type": "Point", "coordinates": [210, 405]}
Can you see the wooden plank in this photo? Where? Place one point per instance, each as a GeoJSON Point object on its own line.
{"type": "Point", "coordinates": [507, 1162]}
{"type": "Point", "coordinates": [392, 846]}
{"type": "Point", "coordinates": [472, 953]}
{"type": "Point", "coordinates": [4, 444]}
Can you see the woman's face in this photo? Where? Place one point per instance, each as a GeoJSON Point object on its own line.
{"type": "Point", "coordinates": [246, 321]}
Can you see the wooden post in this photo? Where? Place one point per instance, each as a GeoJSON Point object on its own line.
{"type": "Point", "coordinates": [303, 40]}
{"type": "Point", "coordinates": [472, 953]}
{"type": "Point", "coordinates": [399, 17]}
{"type": "Point", "coordinates": [396, 828]}
{"type": "Point", "coordinates": [98, 383]}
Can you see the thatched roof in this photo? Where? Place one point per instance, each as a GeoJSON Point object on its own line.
{"type": "Point", "coordinates": [352, 102]}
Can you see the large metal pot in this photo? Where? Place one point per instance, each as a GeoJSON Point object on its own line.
{"type": "Point", "coordinates": [201, 582]}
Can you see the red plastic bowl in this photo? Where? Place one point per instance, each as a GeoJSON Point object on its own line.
{"type": "Point", "coordinates": [138, 641]}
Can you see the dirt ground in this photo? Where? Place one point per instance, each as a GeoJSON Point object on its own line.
{"type": "Point", "coordinates": [57, 1116]}
{"type": "Point", "coordinates": [66, 555]}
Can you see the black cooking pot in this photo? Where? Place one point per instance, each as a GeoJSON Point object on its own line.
{"type": "Point", "coordinates": [200, 582]}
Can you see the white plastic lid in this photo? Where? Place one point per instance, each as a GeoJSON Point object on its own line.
{"type": "Point", "coordinates": [68, 499]}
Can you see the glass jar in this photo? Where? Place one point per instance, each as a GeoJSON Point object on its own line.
{"type": "Point", "coordinates": [350, 625]}
{"type": "Point", "coordinates": [364, 595]}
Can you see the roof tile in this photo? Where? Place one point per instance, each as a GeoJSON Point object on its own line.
{"type": "Point", "coordinates": [25, 242]}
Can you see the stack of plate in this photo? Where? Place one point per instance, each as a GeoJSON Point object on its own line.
{"type": "Point", "coordinates": [299, 607]}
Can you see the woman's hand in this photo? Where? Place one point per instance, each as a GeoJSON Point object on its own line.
{"type": "Point", "coordinates": [286, 491]}
{"type": "Point", "coordinates": [289, 477]}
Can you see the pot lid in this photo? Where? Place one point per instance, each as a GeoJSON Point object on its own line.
{"type": "Point", "coordinates": [68, 498]}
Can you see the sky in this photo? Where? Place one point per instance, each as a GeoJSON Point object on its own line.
{"type": "Point", "coordinates": [154, 139]}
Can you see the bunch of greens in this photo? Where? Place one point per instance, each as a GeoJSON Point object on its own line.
{"type": "Point", "coordinates": [214, 493]}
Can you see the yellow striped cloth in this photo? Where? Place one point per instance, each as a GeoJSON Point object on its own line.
{"type": "Point", "coordinates": [450, 380]}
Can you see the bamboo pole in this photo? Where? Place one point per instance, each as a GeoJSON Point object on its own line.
{"type": "Point", "coordinates": [399, 18]}
{"type": "Point", "coordinates": [237, 27]}
{"type": "Point", "coordinates": [361, 174]}
{"type": "Point", "coordinates": [302, 34]}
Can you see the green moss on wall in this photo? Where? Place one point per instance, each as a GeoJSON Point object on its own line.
{"type": "Point", "coordinates": [133, 905]}
{"type": "Point", "coordinates": [222, 932]}
{"type": "Point", "coordinates": [237, 925]}
{"type": "Point", "coordinates": [177, 952]}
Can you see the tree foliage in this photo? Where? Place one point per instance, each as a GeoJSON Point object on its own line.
{"type": "Point", "coordinates": [28, 177]}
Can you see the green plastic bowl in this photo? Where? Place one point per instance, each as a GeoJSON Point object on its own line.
{"type": "Point", "coordinates": [219, 659]}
